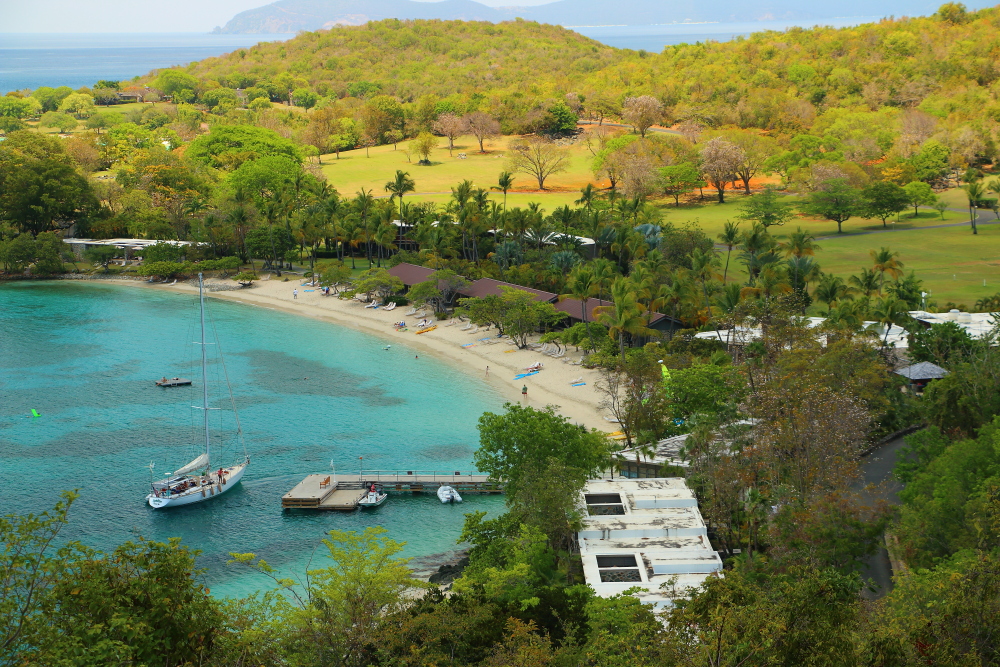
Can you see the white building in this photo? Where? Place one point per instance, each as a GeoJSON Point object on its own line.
{"type": "Point", "coordinates": [646, 534]}
{"type": "Point", "coordinates": [977, 325]}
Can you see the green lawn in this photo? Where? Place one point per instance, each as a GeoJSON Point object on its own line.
{"type": "Point", "coordinates": [952, 262]}
{"type": "Point", "coordinates": [354, 171]}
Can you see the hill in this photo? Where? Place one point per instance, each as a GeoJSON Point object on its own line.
{"type": "Point", "coordinates": [291, 16]}
{"type": "Point", "coordinates": [415, 58]}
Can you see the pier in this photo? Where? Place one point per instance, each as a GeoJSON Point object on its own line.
{"type": "Point", "coordinates": [342, 492]}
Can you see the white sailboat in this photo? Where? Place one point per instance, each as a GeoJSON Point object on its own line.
{"type": "Point", "coordinates": [196, 481]}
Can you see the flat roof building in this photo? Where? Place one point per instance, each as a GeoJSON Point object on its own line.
{"type": "Point", "coordinates": [646, 534]}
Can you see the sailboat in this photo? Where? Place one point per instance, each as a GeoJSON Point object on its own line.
{"type": "Point", "coordinates": [197, 482]}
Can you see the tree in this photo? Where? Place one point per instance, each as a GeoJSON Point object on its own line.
{"type": "Point", "coordinates": [379, 115]}
{"type": "Point", "coordinates": [101, 255]}
{"type": "Point", "coordinates": [642, 112]}
{"type": "Point", "coordinates": [537, 156]}
{"type": "Point", "coordinates": [882, 200]}
{"type": "Point", "coordinates": [632, 390]}
{"type": "Point", "coordinates": [319, 133]}
{"type": "Point", "coordinates": [919, 194]}
{"type": "Point", "coordinates": [422, 145]}
{"type": "Point", "coordinates": [515, 312]}
{"type": "Point", "coordinates": [974, 192]}
{"type": "Point", "coordinates": [719, 161]}
{"type": "Point", "coordinates": [102, 120]}
{"type": "Point", "coordinates": [173, 80]}
{"type": "Point", "coordinates": [143, 603]}
{"type": "Point", "coordinates": [757, 150]}
{"type": "Point", "coordinates": [941, 344]}
{"type": "Point", "coordinates": [80, 105]}
{"type": "Point", "coordinates": [19, 108]}
{"type": "Point", "coordinates": [836, 200]}
{"type": "Point", "coordinates": [229, 146]}
{"type": "Point", "coordinates": [767, 209]}
{"type": "Point", "coordinates": [378, 283]}
{"type": "Point", "coordinates": [885, 261]}
{"type": "Point", "coordinates": [344, 612]}
{"type": "Point", "coordinates": [482, 126]}
{"type": "Point", "coordinates": [451, 126]}
{"type": "Point", "coordinates": [729, 237]}
{"type": "Point", "coordinates": [399, 186]}
{"type": "Point", "coordinates": [305, 98]}
{"type": "Point", "coordinates": [39, 187]}
{"type": "Point", "coordinates": [624, 317]}
{"type": "Point", "coordinates": [679, 179]}
{"type": "Point", "coordinates": [31, 566]}
{"type": "Point", "coordinates": [61, 121]}
{"type": "Point", "coordinates": [516, 445]}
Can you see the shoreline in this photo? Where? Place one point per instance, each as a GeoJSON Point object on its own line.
{"type": "Point", "coordinates": [550, 387]}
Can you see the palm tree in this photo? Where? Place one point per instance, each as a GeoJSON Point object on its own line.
{"type": "Point", "coordinates": [800, 243]}
{"type": "Point", "coordinates": [729, 237]}
{"type": "Point", "coordinates": [885, 261]}
{"type": "Point", "coordinates": [754, 241]}
{"type": "Point", "coordinates": [363, 203]}
{"type": "Point", "coordinates": [587, 197]}
{"type": "Point", "coordinates": [581, 286]}
{"type": "Point", "coordinates": [889, 311]}
{"type": "Point", "coordinates": [504, 183]}
{"type": "Point", "coordinates": [703, 265]}
{"type": "Point", "coordinates": [974, 192]}
{"type": "Point", "coordinates": [564, 216]}
{"type": "Point", "coordinates": [399, 186]}
{"type": "Point", "coordinates": [831, 290]}
{"type": "Point", "coordinates": [624, 317]}
{"type": "Point", "coordinates": [867, 282]}
{"type": "Point", "coordinates": [604, 274]}
{"type": "Point", "coordinates": [462, 193]}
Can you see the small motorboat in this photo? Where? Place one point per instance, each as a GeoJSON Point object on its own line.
{"type": "Point", "coordinates": [447, 494]}
{"type": "Point", "coordinates": [373, 498]}
{"type": "Point", "coordinates": [172, 382]}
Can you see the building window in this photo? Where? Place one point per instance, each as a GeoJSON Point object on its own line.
{"type": "Point", "coordinates": [599, 504]}
{"type": "Point", "coordinates": [618, 569]}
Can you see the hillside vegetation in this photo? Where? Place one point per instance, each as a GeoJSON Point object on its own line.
{"type": "Point", "coordinates": [410, 59]}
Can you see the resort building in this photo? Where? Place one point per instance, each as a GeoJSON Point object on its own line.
{"type": "Point", "coordinates": [977, 325]}
{"type": "Point", "coordinates": [646, 534]}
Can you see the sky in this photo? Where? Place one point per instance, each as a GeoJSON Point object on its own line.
{"type": "Point", "coordinates": [76, 16]}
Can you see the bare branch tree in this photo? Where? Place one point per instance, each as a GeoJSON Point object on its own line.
{"type": "Point", "coordinates": [538, 157]}
{"type": "Point", "coordinates": [482, 126]}
{"type": "Point", "coordinates": [451, 126]}
{"type": "Point", "coordinates": [642, 112]}
{"type": "Point", "coordinates": [719, 161]}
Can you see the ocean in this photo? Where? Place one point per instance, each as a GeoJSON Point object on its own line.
{"type": "Point", "coordinates": [653, 38]}
{"type": "Point", "coordinates": [313, 397]}
{"type": "Point", "coordinates": [75, 60]}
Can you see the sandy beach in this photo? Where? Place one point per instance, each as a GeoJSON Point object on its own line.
{"type": "Point", "coordinates": [552, 386]}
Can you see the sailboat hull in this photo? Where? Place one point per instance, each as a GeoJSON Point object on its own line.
{"type": "Point", "coordinates": [201, 493]}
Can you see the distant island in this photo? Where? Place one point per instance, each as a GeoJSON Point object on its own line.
{"type": "Point", "coordinates": [292, 16]}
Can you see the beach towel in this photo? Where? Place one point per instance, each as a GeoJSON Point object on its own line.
{"type": "Point", "coordinates": [308, 290]}
{"type": "Point", "coordinates": [525, 375]}
{"type": "Point", "coordinates": [468, 345]}
{"type": "Point", "coordinates": [578, 384]}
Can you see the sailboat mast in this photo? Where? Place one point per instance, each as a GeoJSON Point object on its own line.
{"type": "Point", "coordinates": [204, 366]}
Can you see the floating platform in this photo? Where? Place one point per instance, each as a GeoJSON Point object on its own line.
{"type": "Point", "coordinates": [173, 382]}
{"type": "Point", "coordinates": [323, 492]}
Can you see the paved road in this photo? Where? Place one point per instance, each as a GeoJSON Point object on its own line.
{"type": "Point", "coordinates": [877, 471]}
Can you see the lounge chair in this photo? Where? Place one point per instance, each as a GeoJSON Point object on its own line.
{"type": "Point", "coordinates": [466, 327]}
{"type": "Point", "coordinates": [391, 306]}
{"type": "Point", "coordinates": [473, 330]}
{"type": "Point", "coordinates": [411, 311]}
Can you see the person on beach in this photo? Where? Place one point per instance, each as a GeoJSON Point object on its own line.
{"type": "Point", "coordinates": [524, 392]}
{"type": "Point", "coordinates": [295, 293]}
{"type": "Point", "coordinates": [487, 371]}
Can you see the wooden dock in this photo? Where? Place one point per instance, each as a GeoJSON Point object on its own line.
{"type": "Point", "coordinates": [326, 492]}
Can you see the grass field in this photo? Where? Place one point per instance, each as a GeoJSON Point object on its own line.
{"type": "Point", "coordinates": [354, 170]}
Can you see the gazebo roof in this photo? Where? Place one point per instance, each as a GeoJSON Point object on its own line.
{"type": "Point", "coordinates": [923, 370]}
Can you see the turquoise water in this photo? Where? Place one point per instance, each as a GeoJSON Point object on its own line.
{"type": "Point", "coordinates": [85, 357]}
